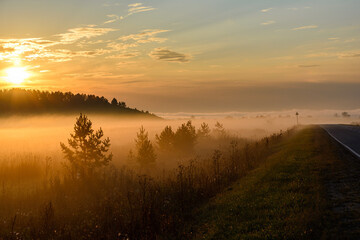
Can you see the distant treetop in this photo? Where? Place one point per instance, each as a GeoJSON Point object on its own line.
{"type": "Point", "coordinates": [22, 101]}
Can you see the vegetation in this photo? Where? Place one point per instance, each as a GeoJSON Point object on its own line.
{"type": "Point", "coordinates": [39, 200]}
{"type": "Point", "coordinates": [283, 199]}
{"type": "Point", "coordinates": [86, 151]}
{"type": "Point", "coordinates": [240, 189]}
{"type": "Point", "coordinates": [21, 101]}
{"type": "Point", "coordinates": [182, 141]}
{"type": "Point", "coordinates": [145, 151]}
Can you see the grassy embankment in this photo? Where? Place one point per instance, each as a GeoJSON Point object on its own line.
{"type": "Point", "coordinates": [283, 199]}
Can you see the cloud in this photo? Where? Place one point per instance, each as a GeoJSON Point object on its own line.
{"type": "Point", "coordinates": [145, 36]}
{"type": "Point", "coordinates": [333, 38]}
{"type": "Point", "coordinates": [340, 55]}
{"type": "Point", "coordinates": [135, 4]}
{"type": "Point", "coordinates": [103, 75]}
{"type": "Point", "coordinates": [31, 49]}
{"type": "Point", "coordinates": [305, 27]}
{"type": "Point", "coordinates": [308, 66]}
{"type": "Point", "coordinates": [15, 49]}
{"type": "Point", "coordinates": [114, 18]}
{"type": "Point", "coordinates": [137, 8]}
{"type": "Point", "coordinates": [168, 55]}
{"type": "Point", "coordinates": [350, 55]}
{"type": "Point", "coordinates": [133, 9]}
{"type": "Point", "coordinates": [266, 10]}
{"type": "Point", "coordinates": [125, 55]}
{"type": "Point", "coordinates": [6, 49]}
{"type": "Point", "coordinates": [76, 34]}
{"type": "Point", "coordinates": [121, 46]}
{"type": "Point", "coordinates": [268, 23]}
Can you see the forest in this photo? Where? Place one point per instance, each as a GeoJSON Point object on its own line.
{"type": "Point", "coordinates": [18, 101]}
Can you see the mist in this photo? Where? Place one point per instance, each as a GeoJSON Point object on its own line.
{"type": "Point", "coordinates": [42, 134]}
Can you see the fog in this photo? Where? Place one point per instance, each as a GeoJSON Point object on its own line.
{"type": "Point", "coordinates": [42, 134]}
{"type": "Point", "coordinates": [39, 185]}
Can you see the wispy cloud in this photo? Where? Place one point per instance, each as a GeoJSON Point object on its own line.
{"type": "Point", "coordinates": [125, 55]}
{"type": "Point", "coordinates": [138, 7]}
{"type": "Point", "coordinates": [305, 27]}
{"type": "Point", "coordinates": [340, 55]}
{"type": "Point", "coordinates": [267, 10]}
{"type": "Point", "coordinates": [164, 54]}
{"type": "Point", "coordinates": [309, 66]}
{"type": "Point", "coordinates": [133, 9]}
{"type": "Point", "coordinates": [350, 55]}
{"type": "Point", "coordinates": [268, 23]}
{"type": "Point", "coordinates": [146, 36]}
{"type": "Point", "coordinates": [31, 49]}
{"type": "Point", "coordinates": [76, 34]}
{"type": "Point", "coordinates": [115, 46]}
{"type": "Point", "coordinates": [113, 18]}
{"type": "Point", "coordinates": [14, 49]}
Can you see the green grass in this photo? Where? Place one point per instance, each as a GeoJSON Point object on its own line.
{"type": "Point", "coordinates": [283, 199]}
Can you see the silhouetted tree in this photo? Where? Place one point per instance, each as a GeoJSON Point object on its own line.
{"type": "Point", "coordinates": [219, 130]}
{"type": "Point", "coordinates": [87, 149]}
{"type": "Point", "coordinates": [122, 104]}
{"type": "Point", "coordinates": [345, 115]}
{"type": "Point", "coordinates": [145, 151]}
{"type": "Point", "coordinates": [185, 138]}
{"type": "Point", "coordinates": [14, 101]}
{"type": "Point", "coordinates": [166, 139]}
{"type": "Point", "coordinates": [204, 131]}
{"type": "Point", "coordinates": [114, 102]}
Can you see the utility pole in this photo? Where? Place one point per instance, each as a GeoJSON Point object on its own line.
{"type": "Point", "coordinates": [297, 118]}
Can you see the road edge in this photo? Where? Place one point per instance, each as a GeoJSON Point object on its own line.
{"type": "Point", "coordinates": [344, 145]}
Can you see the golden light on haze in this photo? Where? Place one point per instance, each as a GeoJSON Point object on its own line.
{"type": "Point", "coordinates": [16, 75]}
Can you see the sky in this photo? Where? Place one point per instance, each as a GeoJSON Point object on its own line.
{"type": "Point", "coordinates": [187, 56]}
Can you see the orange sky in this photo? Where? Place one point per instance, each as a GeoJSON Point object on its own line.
{"type": "Point", "coordinates": [187, 56]}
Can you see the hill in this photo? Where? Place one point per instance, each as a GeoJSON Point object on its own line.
{"type": "Point", "coordinates": [27, 102]}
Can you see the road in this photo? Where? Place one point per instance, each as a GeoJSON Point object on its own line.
{"type": "Point", "coordinates": [346, 135]}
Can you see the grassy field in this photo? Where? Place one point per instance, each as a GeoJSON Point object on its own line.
{"type": "Point", "coordinates": [283, 199]}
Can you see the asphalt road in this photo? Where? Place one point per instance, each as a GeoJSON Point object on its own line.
{"type": "Point", "coordinates": [346, 135]}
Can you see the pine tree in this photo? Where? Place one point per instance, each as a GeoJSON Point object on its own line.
{"type": "Point", "coordinates": [87, 150]}
{"type": "Point", "coordinates": [204, 131]}
{"type": "Point", "coordinates": [166, 139]}
{"type": "Point", "coordinates": [145, 151]}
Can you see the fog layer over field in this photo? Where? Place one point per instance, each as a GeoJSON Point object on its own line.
{"type": "Point", "coordinates": [149, 188]}
{"type": "Point", "coordinates": [41, 135]}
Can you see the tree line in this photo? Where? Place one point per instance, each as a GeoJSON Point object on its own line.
{"type": "Point", "coordinates": [87, 149]}
{"type": "Point", "coordinates": [22, 101]}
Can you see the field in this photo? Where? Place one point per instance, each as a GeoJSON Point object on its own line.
{"type": "Point", "coordinates": [44, 196]}
{"type": "Point", "coordinates": [214, 183]}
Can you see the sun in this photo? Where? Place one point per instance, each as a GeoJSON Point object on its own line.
{"type": "Point", "coordinates": [16, 75]}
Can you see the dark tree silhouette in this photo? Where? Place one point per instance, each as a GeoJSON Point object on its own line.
{"type": "Point", "coordinates": [114, 102]}
{"type": "Point", "coordinates": [166, 139]}
{"type": "Point", "coordinates": [145, 151]}
{"type": "Point", "coordinates": [219, 130]}
{"type": "Point", "coordinates": [21, 101]}
{"type": "Point", "coordinates": [204, 131]}
{"type": "Point", "coordinates": [87, 149]}
{"type": "Point", "coordinates": [345, 114]}
{"type": "Point", "coordinates": [185, 138]}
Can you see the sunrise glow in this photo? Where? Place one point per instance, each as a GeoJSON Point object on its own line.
{"type": "Point", "coordinates": [16, 75]}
